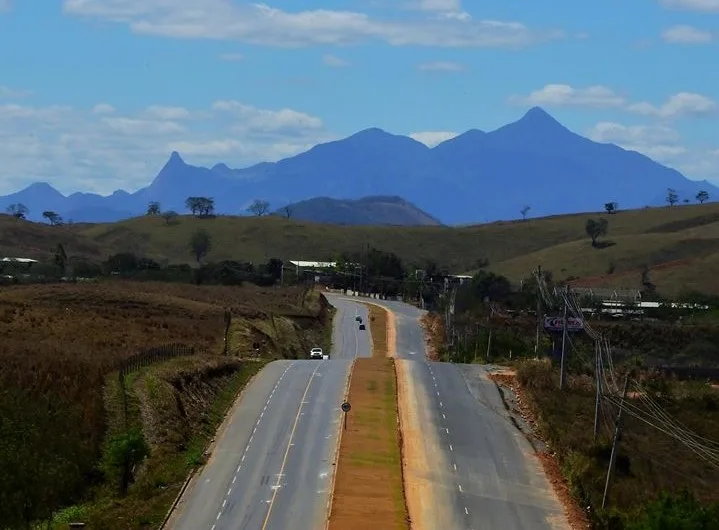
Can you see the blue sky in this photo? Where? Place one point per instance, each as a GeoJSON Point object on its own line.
{"type": "Point", "coordinates": [95, 94]}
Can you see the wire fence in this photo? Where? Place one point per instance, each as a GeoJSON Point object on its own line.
{"type": "Point", "coordinates": [152, 356]}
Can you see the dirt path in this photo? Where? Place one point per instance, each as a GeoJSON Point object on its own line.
{"type": "Point", "coordinates": [369, 490]}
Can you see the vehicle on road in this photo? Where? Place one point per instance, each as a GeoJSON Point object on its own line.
{"type": "Point", "coordinates": [316, 353]}
{"type": "Point", "coordinates": [362, 327]}
{"type": "Point", "coordinates": [358, 319]}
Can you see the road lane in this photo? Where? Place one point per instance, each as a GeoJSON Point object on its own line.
{"type": "Point", "coordinates": [273, 461]}
{"type": "Point", "coordinates": [480, 467]}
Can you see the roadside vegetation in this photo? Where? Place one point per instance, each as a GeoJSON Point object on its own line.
{"type": "Point", "coordinates": [74, 445]}
{"type": "Point", "coordinates": [662, 478]}
{"type": "Point", "coordinates": [676, 247]}
{"type": "Point", "coordinates": [369, 488]}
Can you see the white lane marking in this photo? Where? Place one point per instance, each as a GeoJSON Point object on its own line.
{"type": "Point", "coordinates": [460, 488]}
{"type": "Point", "coordinates": [443, 416]}
{"type": "Point", "coordinates": [249, 442]}
{"type": "Point", "coordinates": [455, 467]}
{"type": "Point", "coordinates": [451, 448]}
{"type": "Point", "coordinates": [466, 511]}
{"type": "Point", "coordinates": [446, 430]}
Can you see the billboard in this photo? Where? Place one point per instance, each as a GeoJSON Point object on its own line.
{"type": "Point", "coordinates": [555, 324]}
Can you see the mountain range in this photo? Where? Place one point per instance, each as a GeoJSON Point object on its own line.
{"type": "Point", "coordinates": [475, 177]}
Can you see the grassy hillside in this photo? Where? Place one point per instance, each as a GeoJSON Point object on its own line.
{"type": "Point", "coordinates": [680, 244]}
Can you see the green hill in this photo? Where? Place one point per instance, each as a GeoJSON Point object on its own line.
{"type": "Point", "coordinates": [679, 244]}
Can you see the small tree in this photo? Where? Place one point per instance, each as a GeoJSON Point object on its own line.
{"type": "Point", "coordinates": [702, 196]}
{"type": "Point", "coordinates": [596, 228]}
{"type": "Point", "coordinates": [153, 208]}
{"type": "Point", "coordinates": [200, 244]}
{"type": "Point", "coordinates": [52, 217]}
{"type": "Point", "coordinates": [193, 204]}
{"type": "Point", "coordinates": [672, 197]}
{"type": "Point", "coordinates": [287, 211]}
{"type": "Point", "coordinates": [259, 207]}
{"type": "Point", "coordinates": [124, 452]}
{"type": "Point", "coordinates": [18, 210]}
{"type": "Point", "coordinates": [611, 207]}
{"type": "Point", "coordinates": [169, 216]}
{"type": "Point", "coordinates": [524, 211]}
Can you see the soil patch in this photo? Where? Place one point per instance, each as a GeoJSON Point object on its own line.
{"type": "Point", "coordinates": [368, 485]}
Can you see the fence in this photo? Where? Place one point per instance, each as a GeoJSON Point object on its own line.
{"type": "Point", "coordinates": [151, 356]}
{"type": "Point", "coordinates": [146, 358]}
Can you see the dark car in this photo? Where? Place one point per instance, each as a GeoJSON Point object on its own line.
{"type": "Point", "coordinates": [361, 326]}
{"type": "Point", "coordinates": [358, 319]}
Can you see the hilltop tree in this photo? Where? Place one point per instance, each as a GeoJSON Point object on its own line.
{"type": "Point", "coordinates": [702, 196]}
{"type": "Point", "coordinates": [200, 244]}
{"type": "Point", "coordinates": [287, 211]}
{"type": "Point", "coordinates": [596, 228]}
{"type": "Point", "coordinates": [169, 216]}
{"type": "Point", "coordinates": [18, 210]}
{"type": "Point", "coordinates": [524, 211]}
{"type": "Point", "coordinates": [259, 207]}
{"type": "Point", "coordinates": [153, 208]}
{"type": "Point", "coordinates": [672, 196]}
{"type": "Point", "coordinates": [201, 206]}
{"type": "Point", "coordinates": [611, 207]}
{"type": "Point", "coordinates": [52, 217]}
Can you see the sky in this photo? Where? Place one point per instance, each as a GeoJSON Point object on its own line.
{"type": "Point", "coordinates": [96, 94]}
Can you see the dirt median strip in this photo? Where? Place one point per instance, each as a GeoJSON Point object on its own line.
{"type": "Point", "coordinates": [368, 485]}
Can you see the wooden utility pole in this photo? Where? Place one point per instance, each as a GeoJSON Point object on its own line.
{"type": "Point", "coordinates": [539, 310]}
{"type": "Point", "coordinates": [598, 375]}
{"type": "Point", "coordinates": [615, 442]}
{"type": "Point", "coordinates": [564, 343]}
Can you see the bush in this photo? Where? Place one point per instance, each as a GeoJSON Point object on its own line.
{"type": "Point", "coordinates": [124, 451]}
{"type": "Point", "coordinates": [680, 512]}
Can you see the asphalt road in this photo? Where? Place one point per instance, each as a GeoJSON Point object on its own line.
{"type": "Point", "coordinates": [273, 461]}
{"type": "Point", "coordinates": [485, 470]}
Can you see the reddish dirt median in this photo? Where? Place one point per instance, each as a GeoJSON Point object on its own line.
{"type": "Point", "coordinates": [368, 486]}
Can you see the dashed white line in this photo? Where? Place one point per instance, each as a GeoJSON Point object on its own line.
{"type": "Point", "coordinates": [247, 447]}
{"type": "Point", "coordinates": [460, 488]}
{"type": "Point", "coordinates": [451, 448]}
{"type": "Point", "coordinates": [446, 429]}
{"type": "Point", "coordinates": [455, 467]}
{"type": "Point", "coordinates": [466, 510]}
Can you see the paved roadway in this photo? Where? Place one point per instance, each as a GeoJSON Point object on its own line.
{"type": "Point", "coordinates": [483, 473]}
{"type": "Point", "coordinates": [273, 462]}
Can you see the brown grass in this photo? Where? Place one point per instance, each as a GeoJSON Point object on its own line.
{"type": "Point", "coordinates": [648, 460]}
{"type": "Point", "coordinates": [368, 485]}
{"type": "Point", "coordinates": [59, 342]}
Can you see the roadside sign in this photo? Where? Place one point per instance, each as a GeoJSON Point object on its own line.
{"type": "Point", "coordinates": [556, 324]}
{"type": "Point", "coordinates": [346, 407]}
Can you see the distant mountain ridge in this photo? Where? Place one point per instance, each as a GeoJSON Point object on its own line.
{"type": "Point", "coordinates": [374, 210]}
{"type": "Point", "coordinates": [475, 177]}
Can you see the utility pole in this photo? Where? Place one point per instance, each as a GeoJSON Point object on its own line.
{"type": "Point", "coordinates": [539, 310]}
{"type": "Point", "coordinates": [615, 442]}
{"type": "Point", "coordinates": [598, 374]}
{"type": "Point", "coordinates": [564, 343]}
{"type": "Point", "coordinates": [489, 325]}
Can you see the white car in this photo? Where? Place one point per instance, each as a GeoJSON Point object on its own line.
{"type": "Point", "coordinates": [316, 353]}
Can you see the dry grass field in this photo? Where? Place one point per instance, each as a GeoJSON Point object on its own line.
{"type": "Point", "coordinates": [60, 342]}
{"type": "Point", "coordinates": [686, 235]}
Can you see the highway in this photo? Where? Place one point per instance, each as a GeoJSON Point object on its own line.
{"type": "Point", "coordinates": [272, 464]}
{"type": "Point", "coordinates": [480, 471]}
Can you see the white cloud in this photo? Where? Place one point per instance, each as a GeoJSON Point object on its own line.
{"type": "Point", "coordinates": [441, 66]}
{"type": "Point", "coordinates": [677, 106]}
{"type": "Point", "coordinates": [684, 34]}
{"type": "Point", "coordinates": [661, 143]}
{"type": "Point", "coordinates": [432, 138]}
{"type": "Point", "coordinates": [446, 9]}
{"type": "Point", "coordinates": [560, 95]}
{"type": "Point", "coordinates": [10, 93]}
{"type": "Point", "coordinates": [261, 24]}
{"type": "Point", "coordinates": [707, 6]}
{"type": "Point", "coordinates": [101, 151]}
{"type": "Point", "coordinates": [231, 57]}
{"type": "Point", "coordinates": [167, 113]}
{"type": "Point", "coordinates": [103, 108]}
{"type": "Point", "coordinates": [334, 61]}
